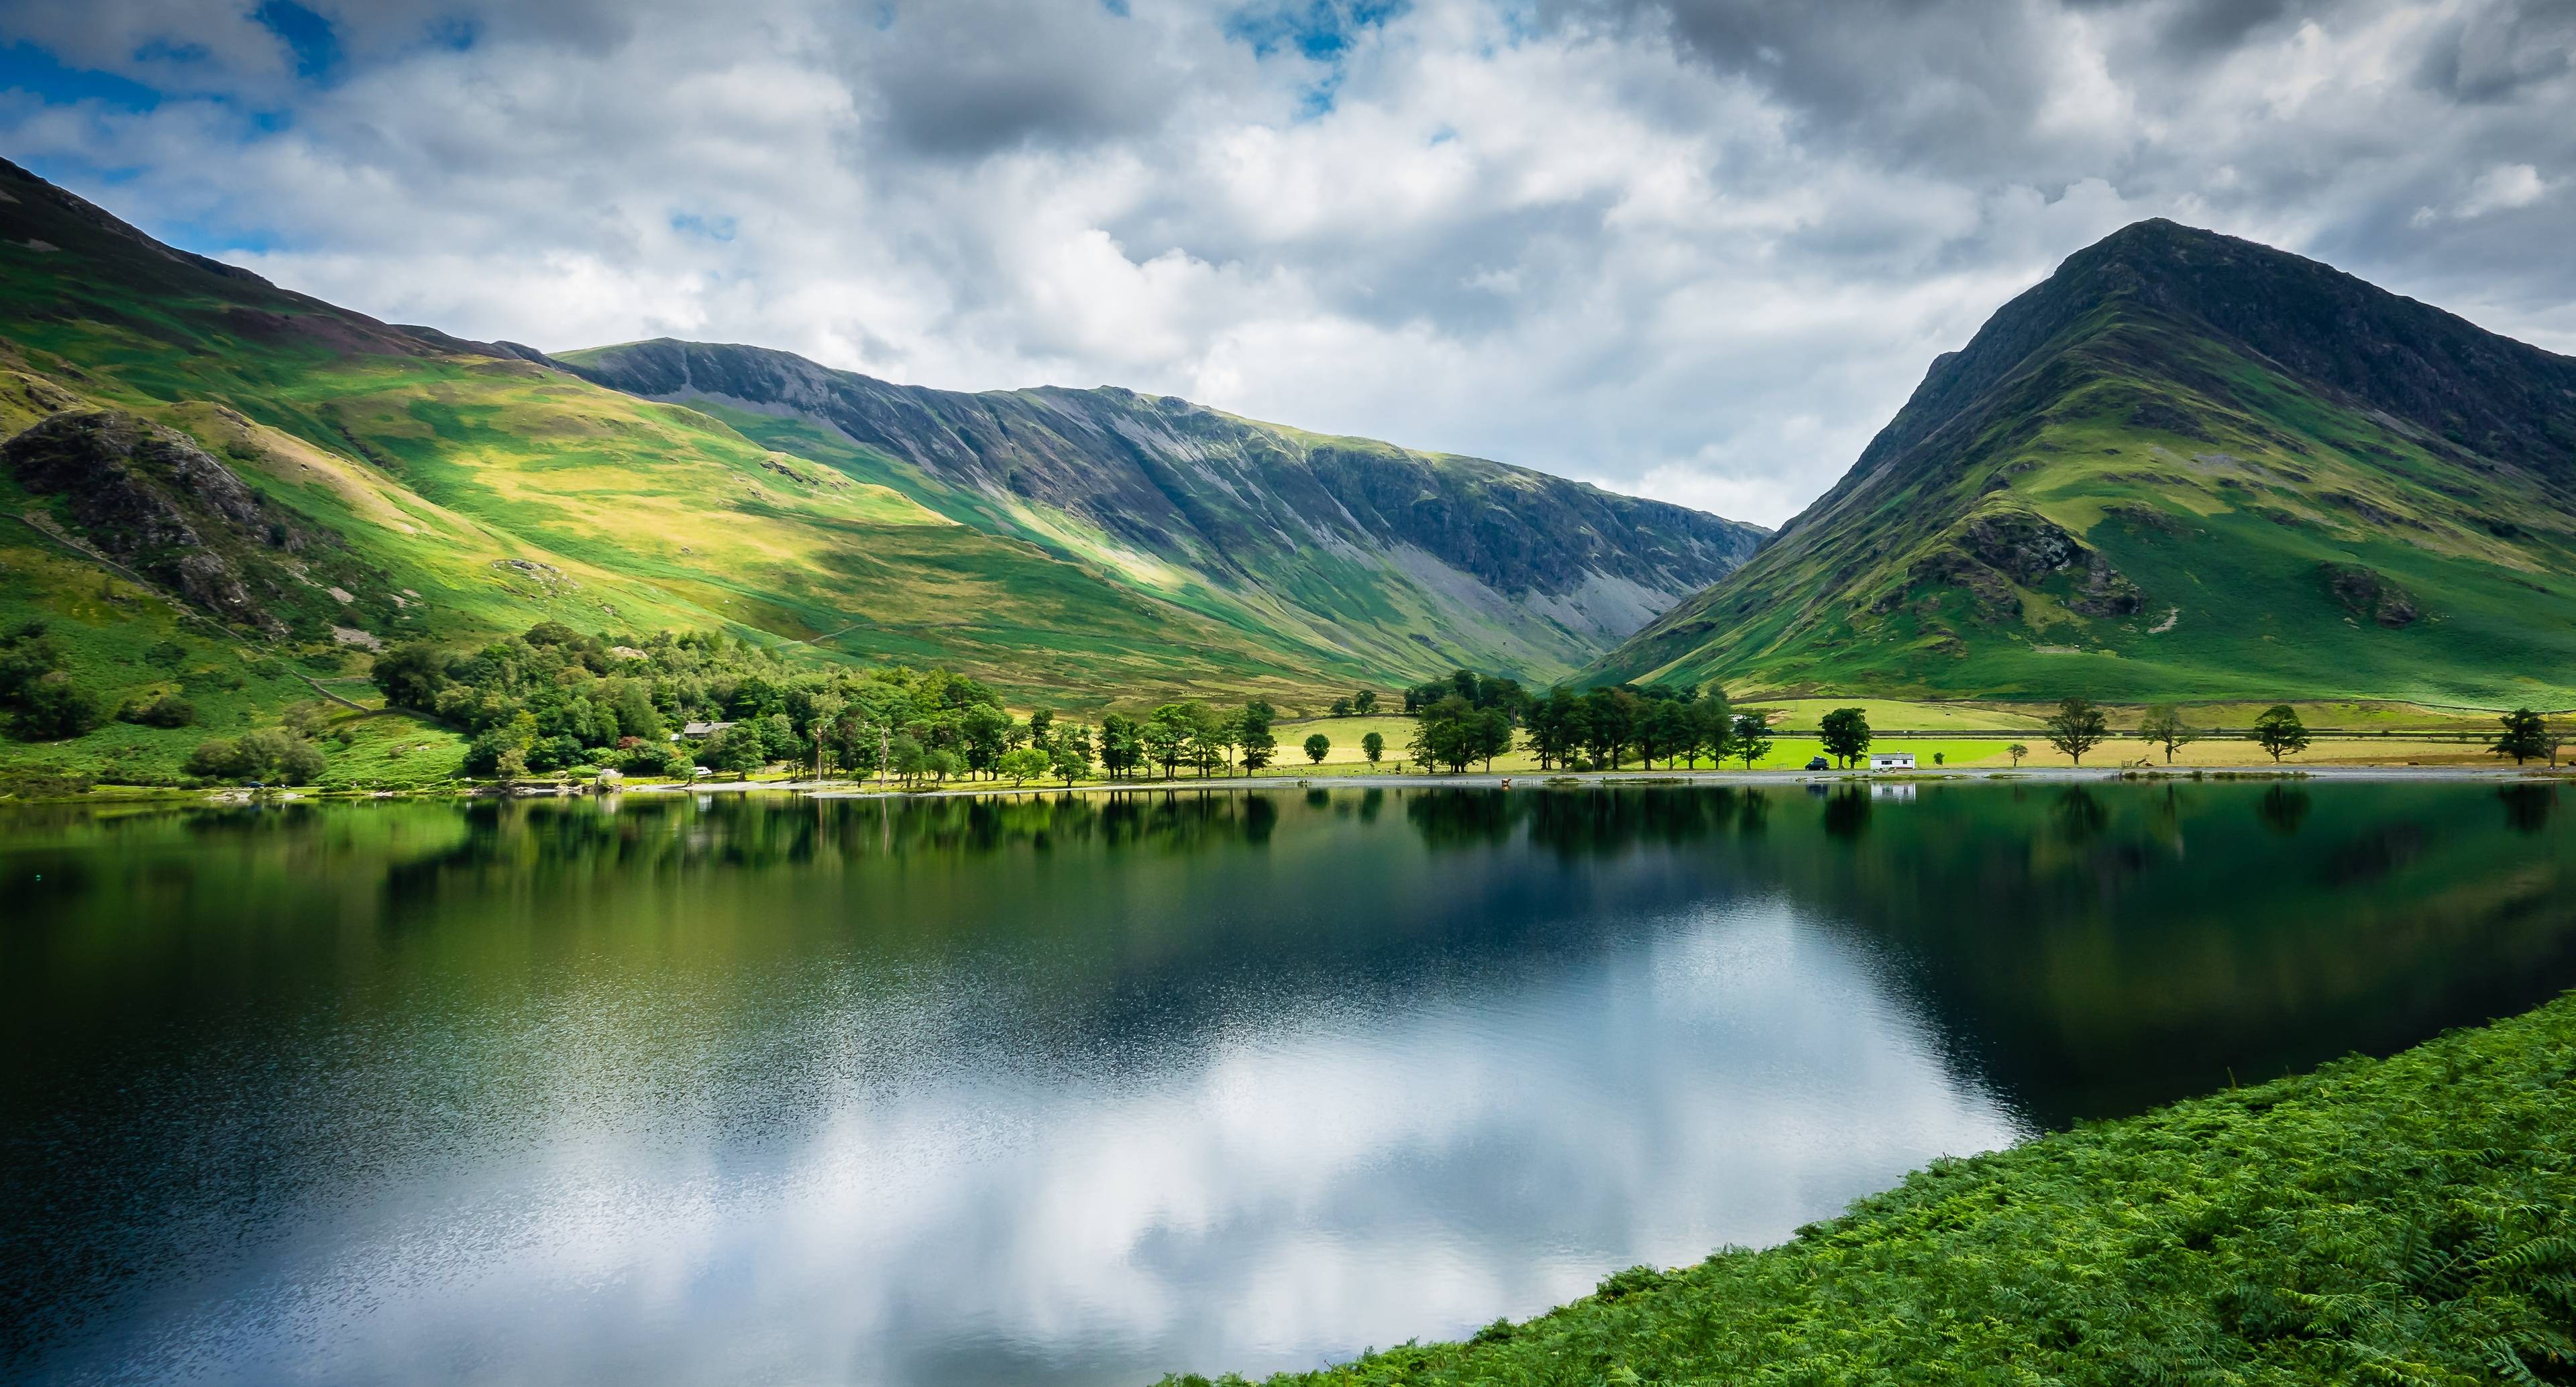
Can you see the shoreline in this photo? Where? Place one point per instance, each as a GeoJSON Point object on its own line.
{"type": "Point", "coordinates": [138, 796]}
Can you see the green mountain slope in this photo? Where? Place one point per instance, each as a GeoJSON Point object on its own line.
{"type": "Point", "coordinates": [294, 485]}
{"type": "Point", "coordinates": [1403, 560]}
{"type": "Point", "coordinates": [2184, 466]}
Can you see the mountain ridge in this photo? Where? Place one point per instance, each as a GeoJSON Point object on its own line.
{"type": "Point", "coordinates": [1228, 496]}
{"type": "Point", "coordinates": [1984, 543]}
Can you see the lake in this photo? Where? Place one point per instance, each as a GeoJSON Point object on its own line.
{"type": "Point", "coordinates": [1088, 1089]}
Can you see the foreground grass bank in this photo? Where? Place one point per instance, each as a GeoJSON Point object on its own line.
{"type": "Point", "coordinates": [2406, 1221]}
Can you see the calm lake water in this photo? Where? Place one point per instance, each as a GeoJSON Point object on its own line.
{"type": "Point", "coordinates": [1085, 1090]}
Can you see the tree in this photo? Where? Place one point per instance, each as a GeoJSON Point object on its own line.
{"type": "Point", "coordinates": [1556, 727]}
{"type": "Point", "coordinates": [1492, 734]}
{"type": "Point", "coordinates": [740, 749]}
{"type": "Point", "coordinates": [2525, 736]}
{"type": "Point", "coordinates": [1712, 728]}
{"type": "Point", "coordinates": [1021, 766]}
{"type": "Point", "coordinates": [1072, 754]}
{"type": "Point", "coordinates": [1372, 746]}
{"type": "Point", "coordinates": [985, 731]}
{"type": "Point", "coordinates": [1166, 735]}
{"type": "Point", "coordinates": [1341, 708]}
{"type": "Point", "coordinates": [1364, 702]}
{"type": "Point", "coordinates": [1609, 725]}
{"type": "Point", "coordinates": [2278, 730]}
{"type": "Point", "coordinates": [2163, 726]}
{"type": "Point", "coordinates": [1317, 747]}
{"type": "Point", "coordinates": [1452, 732]}
{"type": "Point", "coordinates": [1252, 732]}
{"type": "Point", "coordinates": [1846, 734]}
{"type": "Point", "coordinates": [1752, 739]}
{"type": "Point", "coordinates": [1042, 729]}
{"type": "Point", "coordinates": [1122, 745]}
{"type": "Point", "coordinates": [2016, 751]}
{"type": "Point", "coordinates": [2077, 727]}
{"type": "Point", "coordinates": [51, 707]}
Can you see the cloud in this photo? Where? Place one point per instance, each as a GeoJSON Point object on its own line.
{"type": "Point", "coordinates": [1700, 247]}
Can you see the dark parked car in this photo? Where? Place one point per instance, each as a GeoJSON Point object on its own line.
{"type": "Point", "coordinates": [1818, 763]}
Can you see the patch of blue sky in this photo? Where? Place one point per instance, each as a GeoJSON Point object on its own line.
{"type": "Point", "coordinates": [716, 228]}
{"type": "Point", "coordinates": [306, 35]}
{"type": "Point", "coordinates": [27, 68]}
{"type": "Point", "coordinates": [1320, 30]}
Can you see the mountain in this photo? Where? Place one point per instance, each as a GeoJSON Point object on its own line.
{"type": "Point", "coordinates": [262, 488]}
{"type": "Point", "coordinates": [1399, 559]}
{"type": "Point", "coordinates": [2184, 466]}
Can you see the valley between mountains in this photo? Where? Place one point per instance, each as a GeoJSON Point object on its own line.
{"type": "Point", "coordinates": [2184, 467]}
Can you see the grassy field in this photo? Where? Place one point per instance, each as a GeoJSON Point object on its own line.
{"type": "Point", "coordinates": [2400, 1221]}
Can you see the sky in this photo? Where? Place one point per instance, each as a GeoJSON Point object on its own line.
{"type": "Point", "coordinates": [1693, 249]}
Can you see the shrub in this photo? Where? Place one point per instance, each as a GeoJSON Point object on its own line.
{"type": "Point", "coordinates": [51, 708]}
{"type": "Point", "coordinates": [270, 756]}
{"type": "Point", "coordinates": [169, 710]}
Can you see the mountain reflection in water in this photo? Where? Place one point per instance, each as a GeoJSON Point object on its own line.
{"type": "Point", "coordinates": [1087, 1087]}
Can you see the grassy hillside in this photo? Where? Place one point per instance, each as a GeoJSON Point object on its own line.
{"type": "Point", "coordinates": [2186, 467]}
{"type": "Point", "coordinates": [1347, 545]}
{"type": "Point", "coordinates": [359, 484]}
{"type": "Point", "coordinates": [2400, 1221]}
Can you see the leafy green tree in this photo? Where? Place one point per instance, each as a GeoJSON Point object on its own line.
{"type": "Point", "coordinates": [1556, 727]}
{"type": "Point", "coordinates": [1609, 725]}
{"type": "Point", "coordinates": [2016, 751]}
{"type": "Point", "coordinates": [2077, 727]}
{"type": "Point", "coordinates": [1494, 735]}
{"type": "Point", "coordinates": [411, 676]}
{"type": "Point", "coordinates": [740, 749]}
{"type": "Point", "coordinates": [1252, 732]}
{"type": "Point", "coordinates": [1364, 702]}
{"type": "Point", "coordinates": [1712, 727]}
{"type": "Point", "coordinates": [985, 732]}
{"type": "Point", "coordinates": [1021, 765]}
{"type": "Point", "coordinates": [908, 758]}
{"type": "Point", "coordinates": [1447, 733]}
{"type": "Point", "coordinates": [51, 708]}
{"type": "Point", "coordinates": [778, 739]}
{"type": "Point", "coordinates": [1072, 755]}
{"type": "Point", "coordinates": [1167, 733]}
{"type": "Point", "coordinates": [270, 756]}
{"type": "Point", "coordinates": [1122, 745]}
{"type": "Point", "coordinates": [2163, 726]}
{"type": "Point", "coordinates": [2278, 730]}
{"type": "Point", "coordinates": [1752, 739]}
{"type": "Point", "coordinates": [1211, 745]}
{"type": "Point", "coordinates": [939, 764]}
{"type": "Point", "coordinates": [1662, 729]}
{"type": "Point", "coordinates": [1341, 708]}
{"type": "Point", "coordinates": [1318, 746]}
{"type": "Point", "coordinates": [2525, 737]}
{"type": "Point", "coordinates": [1846, 735]}
{"type": "Point", "coordinates": [1372, 746]}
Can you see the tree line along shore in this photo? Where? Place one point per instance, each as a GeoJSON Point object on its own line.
{"type": "Point", "coordinates": [556, 703]}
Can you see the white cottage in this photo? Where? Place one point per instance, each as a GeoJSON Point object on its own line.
{"type": "Point", "coordinates": [1891, 760]}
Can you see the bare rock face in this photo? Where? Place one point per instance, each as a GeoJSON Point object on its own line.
{"type": "Point", "coordinates": [154, 501]}
{"type": "Point", "coordinates": [2367, 593]}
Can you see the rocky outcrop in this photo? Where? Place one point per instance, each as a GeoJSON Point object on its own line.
{"type": "Point", "coordinates": [2367, 594]}
{"type": "Point", "coordinates": [165, 509]}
